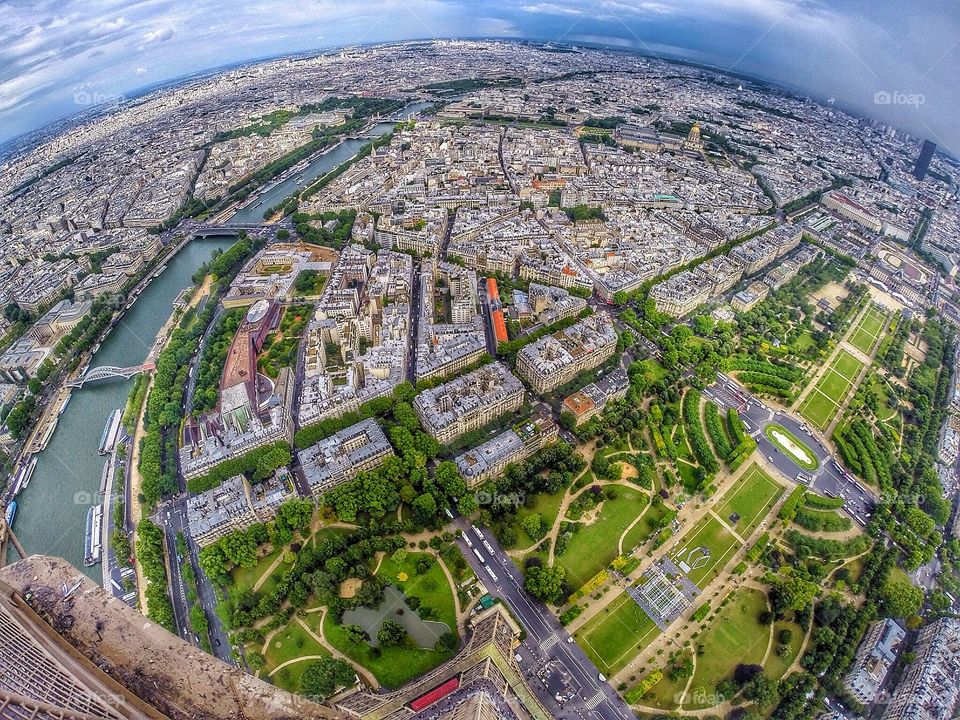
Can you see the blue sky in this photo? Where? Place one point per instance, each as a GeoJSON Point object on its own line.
{"type": "Point", "coordinates": [53, 52]}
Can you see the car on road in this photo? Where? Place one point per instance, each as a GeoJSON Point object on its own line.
{"type": "Point", "coordinates": [601, 677]}
{"type": "Point", "coordinates": [466, 539]}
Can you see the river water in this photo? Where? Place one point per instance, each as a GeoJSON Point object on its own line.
{"type": "Point", "coordinates": [52, 511]}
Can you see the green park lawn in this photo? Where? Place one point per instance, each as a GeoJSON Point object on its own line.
{"type": "Point", "coordinates": [666, 692]}
{"type": "Point", "coordinates": [246, 578]}
{"type": "Point", "coordinates": [394, 666]}
{"type": "Point", "coordinates": [709, 533]}
{"type": "Point", "coordinates": [547, 506]}
{"type": "Point", "coordinates": [594, 545]}
{"type": "Point", "coordinates": [865, 335]}
{"type": "Point", "coordinates": [687, 473]}
{"type": "Point", "coordinates": [751, 498]}
{"type": "Point", "coordinates": [734, 636]}
{"type": "Point", "coordinates": [792, 446]}
{"type": "Point", "coordinates": [646, 526]}
{"type": "Point", "coordinates": [432, 588]}
{"type": "Point", "coordinates": [289, 643]}
{"type": "Point", "coordinates": [834, 385]}
{"type": "Point", "coordinates": [824, 401]}
{"type": "Point", "coordinates": [818, 409]}
{"type": "Point", "coordinates": [776, 665]}
{"type": "Point", "coordinates": [612, 638]}
{"type": "Point", "coordinates": [847, 365]}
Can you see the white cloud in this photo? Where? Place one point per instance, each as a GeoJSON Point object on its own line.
{"type": "Point", "coordinates": [159, 35]}
{"type": "Point", "coordinates": [109, 26]}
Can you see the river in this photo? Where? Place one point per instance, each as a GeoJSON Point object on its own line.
{"type": "Point", "coordinates": [253, 212]}
{"type": "Point", "coordinates": [52, 511]}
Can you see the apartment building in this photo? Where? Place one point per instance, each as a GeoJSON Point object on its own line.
{"type": "Point", "coordinates": [468, 402]}
{"type": "Point", "coordinates": [928, 689]}
{"type": "Point", "coordinates": [875, 656]}
{"type": "Point", "coordinates": [556, 359]}
{"type": "Point", "coordinates": [843, 205]}
{"type": "Point", "coordinates": [492, 457]}
{"type": "Point", "coordinates": [343, 455]}
{"type": "Point", "coordinates": [235, 505]}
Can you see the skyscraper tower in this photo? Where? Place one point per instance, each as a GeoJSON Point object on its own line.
{"type": "Point", "coordinates": [923, 161]}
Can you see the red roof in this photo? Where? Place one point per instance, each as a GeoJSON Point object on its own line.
{"type": "Point", "coordinates": [438, 693]}
{"type": "Point", "coordinates": [492, 290]}
{"type": "Point", "coordinates": [500, 326]}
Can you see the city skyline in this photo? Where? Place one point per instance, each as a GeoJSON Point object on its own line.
{"type": "Point", "coordinates": [896, 66]}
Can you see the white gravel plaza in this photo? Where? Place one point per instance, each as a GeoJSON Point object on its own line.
{"type": "Point", "coordinates": [800, 453]}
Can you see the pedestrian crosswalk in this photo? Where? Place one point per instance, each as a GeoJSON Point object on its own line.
{"type": "Point", "coordinates": [594, 701]}
{"type": "Point", "coordinates": [548, 642]}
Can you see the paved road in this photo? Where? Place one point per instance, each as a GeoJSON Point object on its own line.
{"type": "Point", "coordinates": [829, 479]}
{"type": "Point", "coordinates": [546, 640]}
{"type": "Point", "coordinates": [172, 517]}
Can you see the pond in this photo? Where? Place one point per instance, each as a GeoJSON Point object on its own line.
{"type": "Point", "coordinates": [425, 633]}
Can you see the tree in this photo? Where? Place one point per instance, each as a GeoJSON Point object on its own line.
{"type": "Point", "coordinates": [793, 593]}
{"type": "Point", "coordinates": [532, 525]}
{"type": "Point", "coordinates": [322, 678]}
{"type": "Point", "coordinates": [468, 504]}
{"type": "Point", "coordinates": [568, 420]}
{"type": "Point", "coordinates": [447, 642]}
{"type": "Point", "coordinates": [447, 477]}
{"type": "Point", "coordinates": [545, 583]}
{"type": "Point", "coordinates": [391, 633]}
{"type": "Point", "coordinates": [761, 689]}
{"type": "Point", "coordinates": [424, 508]}
{"type": "Point", "coordinates": [901, 599]}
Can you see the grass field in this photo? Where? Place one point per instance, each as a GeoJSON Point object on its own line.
{"type": "Point", "coordinates": [776, 665]}
{"type": "Point", "coordinates": [734, 636]}
{"type": "Point", "coordinates": [709, 533]}
{"type": "Point", "coordinates": [867, 332]}
{"type": "Point", "coordinates": [547, 506]}
{"type": "Point", "coordinates": [824, 400]}
{"type": "Point", "coordinates": [616, 635]}
{"type": "Point", "coordinates": [751, 498]}
{"type": "Point", "coordinates": [645, 527]}
{"type": "Point", "coordinates": [292, 641]}
{"type": "Point", "coordinates": [594, 545]}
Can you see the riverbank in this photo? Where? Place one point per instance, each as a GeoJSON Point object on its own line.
{"type": "Point", "coordinates": [134, 479]}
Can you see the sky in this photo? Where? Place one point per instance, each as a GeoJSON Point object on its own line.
{"type": "Point", "coordinates": [894, 60]}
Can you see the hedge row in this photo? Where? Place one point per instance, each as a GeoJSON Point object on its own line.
{"type": "Point", "coordinates": [789, 509]}
{"type": "Point", "coordinates": [717, 431]}
{"type": "Point", "coordinates": [821, 520]}
{"type": "Point", "coordinates": [698, 439]}
{"type": "Point", "coordinates": [820, 502]}
{"type": "Point", "coordinates": [785, 372]}
{"type": "Point", "coordinates": [806, 546]}
{"type": "Point", "coordinates": [735, 425]}
{"type": "Point", "coordinates": [771, 381]}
